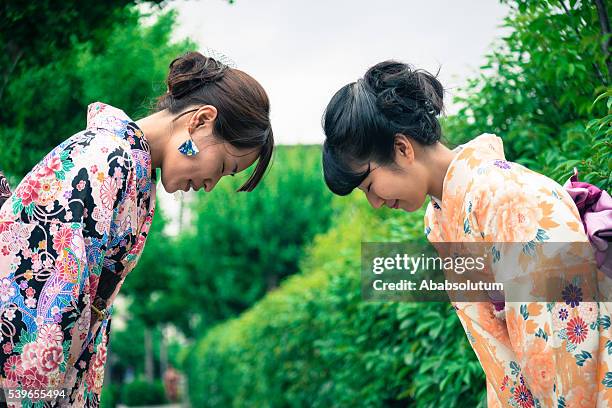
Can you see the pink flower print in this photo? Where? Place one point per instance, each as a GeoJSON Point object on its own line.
{"type": "Point", "coordinates": [29, 191]}
{"type": "Point", "coordinates": [7, 291]}
{"type": "Point", "coordinates": [13, 368]}
{"type": "Point", "coordinates": [100, 359]}
{"type": "Point", "coordinates": [32, 379]}
{"type": "Point", "coordinates": [30, 292]}
{"type": "Point", "coordinates": [16, 237]}
{"type": "Point", "coordinates": [108, 192]}
{"type": "Point", "coordinates": [81, 185]}
{"type": "Point", "coordinates": [52, 165]}
{"type": "Point", "coordinates": [103, 218]}
{"type": "Point", "coordinates": [93, 169]}
{"type": "Point", "coordinates": [29, 355]}
{"type": "Point", "coordinates": [7, 348]}
{"type": "Point", "coordinates": [31, 303]}
{"type": "Point", "coordinates": [50, 358]}
{"type": "Point", "coordinates": [63, 238]}
{"type": "Point", "coordinates": [50, 334]}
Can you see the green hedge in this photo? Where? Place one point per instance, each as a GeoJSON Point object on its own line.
{"type": "Point", "coordinates": [314, 343]}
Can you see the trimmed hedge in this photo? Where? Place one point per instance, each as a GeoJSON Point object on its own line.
{"type": "Point", "coordinates": [315, 343]}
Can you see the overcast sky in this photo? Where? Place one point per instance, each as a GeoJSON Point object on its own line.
{"type": "Point", "coordinates": [302, 52]}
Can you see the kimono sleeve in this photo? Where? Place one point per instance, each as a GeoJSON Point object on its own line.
{"type": "Point", "coordinates": [54, 233]}
{"type": "Point", "coordinates": [548, 349]}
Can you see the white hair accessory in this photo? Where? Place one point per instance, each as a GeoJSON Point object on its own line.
{"type": "Point", "coordinates": [219, 56]}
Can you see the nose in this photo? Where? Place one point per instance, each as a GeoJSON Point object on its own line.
{"type": "Point", "coordinates": [375, 202]}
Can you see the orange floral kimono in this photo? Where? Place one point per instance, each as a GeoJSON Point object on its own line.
{"type": "Point", "coordinates": [534, 354]}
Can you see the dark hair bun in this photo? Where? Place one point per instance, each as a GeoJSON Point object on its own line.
{"type": "Point", "coordinates": [407, 97]}
{"type": "Point", "coordinates": [192, 70]}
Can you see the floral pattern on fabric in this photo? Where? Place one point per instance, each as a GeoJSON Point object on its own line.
{"type": "Point", "coordinates": [70, 233]}
{"type": "Point", "coordinates": [535, 354]}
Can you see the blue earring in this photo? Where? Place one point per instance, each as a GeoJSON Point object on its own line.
{"type": "Point", "coordinates": [188, 148]}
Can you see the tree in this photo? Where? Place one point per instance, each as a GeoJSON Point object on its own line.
{"type": "Point", "coordinates": [538, 86]}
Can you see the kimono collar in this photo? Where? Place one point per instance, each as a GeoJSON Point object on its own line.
{"type": "Point", "coordinates": [484, 147]}
{"type": "Point", "coordinates": [104, 116]}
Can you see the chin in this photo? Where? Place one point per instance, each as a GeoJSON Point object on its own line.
{"type": "Point", "coordinates": [408, 207]}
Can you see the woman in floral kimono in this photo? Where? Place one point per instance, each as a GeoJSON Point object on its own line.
{"type": "Point", "coordinates": [383, 137]}
{"type": "Point", "coordinates": [75, 226]}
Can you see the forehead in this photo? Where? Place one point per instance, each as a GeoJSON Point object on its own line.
{"type": "Point", "coordinates": [243, 157]}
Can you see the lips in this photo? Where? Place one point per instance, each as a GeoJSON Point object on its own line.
{"type": "Point", "coordinates": [396, 204]}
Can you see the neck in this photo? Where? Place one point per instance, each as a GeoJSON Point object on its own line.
{"type": "Point", "coordinates": [440, 159]}
{"type": "Point", "coordinates": [157, 130]}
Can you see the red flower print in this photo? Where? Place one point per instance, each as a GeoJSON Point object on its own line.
{"type": "Point", "coordinates": [50, 358]}
{"type": "Point", "coordinates": [32, 379]}
{"type": "Point", "coordinates": [504, 382]}
{"type": "Point", "coordinates": [523, 396]}
{"type": "Point", "coordinates": [7, 348]}
{"type": "Point", "coordinates": [62, 238]}
{"type": "Point", "coordinates": [90, 378]}
{"type": "Point", "coordinates": [55, 164]}
{"type": "Point", "coordinates": [13, 368]}
{"type": "Point", "coordinates": [100, 358]}
{"type": "Point", "coordinates": [577, 330]}
{"type": "Point", "coordinates": [29, 191]}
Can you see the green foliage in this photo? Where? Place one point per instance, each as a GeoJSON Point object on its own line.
{"type": "Point", "coordinates": [31, 33]}
{"type": "Point", "coordinates": [239, 246]}
{"type": "Point", "coordinates": [585, 147]}
{"type": "Point", "coordinates": [537, 88]}
{"type": "Point", "coordinates": [46, 103]}
{"type": "Point", "coordinates": [315, 343]}
{"type": "Point", "coordinates": [140, 392]}
{"type": "Point", "coordinates": [109, 396]}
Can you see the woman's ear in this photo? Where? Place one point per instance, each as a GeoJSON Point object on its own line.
{"type": "Point", "coordinates": [404, 151]}
{"type": "Point", "coordinates": [205, 114]}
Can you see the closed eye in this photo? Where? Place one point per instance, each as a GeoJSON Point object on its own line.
{"type": "Point", "coordinates": [369, 185]}
{"type": "Point", "coordinates": [235, 170]}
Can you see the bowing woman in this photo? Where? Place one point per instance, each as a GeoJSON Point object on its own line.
{"type": "Point", "coordinates": [384, 138]}
{"type": "Point", "coordinates": [75, 226]}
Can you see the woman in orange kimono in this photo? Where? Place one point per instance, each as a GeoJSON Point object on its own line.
{"type": "Point", "coordinates": [383, 137]}
{"type": "Point", "coordinates": [75, 226]}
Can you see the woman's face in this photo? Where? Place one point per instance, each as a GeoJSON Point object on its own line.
{"type": "Point", "coordinates": [402, 185]}
{"type": "Point", "coordinates": [215, 159]}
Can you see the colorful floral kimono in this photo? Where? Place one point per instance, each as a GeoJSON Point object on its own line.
{"type": "Point", "coordinates": [534, 354]}
{"type": "Point", "coordinates": [71, 231]}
